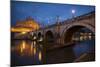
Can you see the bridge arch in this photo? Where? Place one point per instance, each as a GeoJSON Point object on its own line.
{"type": "Point", "coordinates": [49, 36]}
{"type": "Point", "coordinates": [72, 28]}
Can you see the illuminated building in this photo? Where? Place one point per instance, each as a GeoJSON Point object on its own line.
{"type": "Point", "coordinates": [25, 26]}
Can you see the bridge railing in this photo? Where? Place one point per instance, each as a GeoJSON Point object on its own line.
{"type": "Point", "coordinates": [85, 16]}
{"type": "Point", "coordinates": [78, 18]}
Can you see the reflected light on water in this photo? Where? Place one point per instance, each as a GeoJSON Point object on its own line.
{"type": "Point", "coordinates": [21, 50]}
{"type": "Point", "coordinates": [28, 51]}
{"type": "Point", "coordinates": [23, 44]}
{"type": "Point", "coordinates": [25, 49]}
{"type": "Point", "coordinates": [22, 47]}
{"type": "Point", "coordinates": [34, 43]}
{"type": "Point", "coordinates": [34, 50]}
{"type": "Point", "coordinates": [40, 55]}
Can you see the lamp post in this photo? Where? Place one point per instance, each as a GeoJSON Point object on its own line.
{"type": "Point", "coordinates": [43, 27]}
{"type": "Point", "coordinates": [73, 13]}
{"type": "Point", "coordinates": [48, 22]}
{"type": "Point", "coordinates": [58, 29]}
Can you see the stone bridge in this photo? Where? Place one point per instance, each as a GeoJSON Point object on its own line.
{"type": "Point", "coordinates": [62, 31]}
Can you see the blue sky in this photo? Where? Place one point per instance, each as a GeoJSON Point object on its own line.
{"type": "Point", "coordinates": [45, 13]}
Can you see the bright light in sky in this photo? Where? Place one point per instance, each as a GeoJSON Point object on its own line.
{"type": "Point", "coordinates": [73, 11]}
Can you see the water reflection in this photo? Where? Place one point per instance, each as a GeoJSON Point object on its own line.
{"type": "Point", "coordinates": [27, 52]}
{"type": "Point", "coordinates": [40, 55]}
{"type": "Point", "coordinates": [23, 50]}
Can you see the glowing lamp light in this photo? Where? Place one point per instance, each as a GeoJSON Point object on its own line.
{"type": "Point", "coordinates": [73, 11]}
{"type": "Point", "coordinates": [23, 32]}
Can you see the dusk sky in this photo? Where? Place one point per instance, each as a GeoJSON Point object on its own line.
{"type": "Point", "coordinates": [45, 13]}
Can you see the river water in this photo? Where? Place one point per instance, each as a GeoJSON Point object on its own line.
{"type": "Point", "coordinates": [27, 52]}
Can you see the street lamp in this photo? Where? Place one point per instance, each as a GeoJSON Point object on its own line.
{"type": "Point", "coordinates": [48, 22]}
{"type": "Point", "coordinates": [73, 13]}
